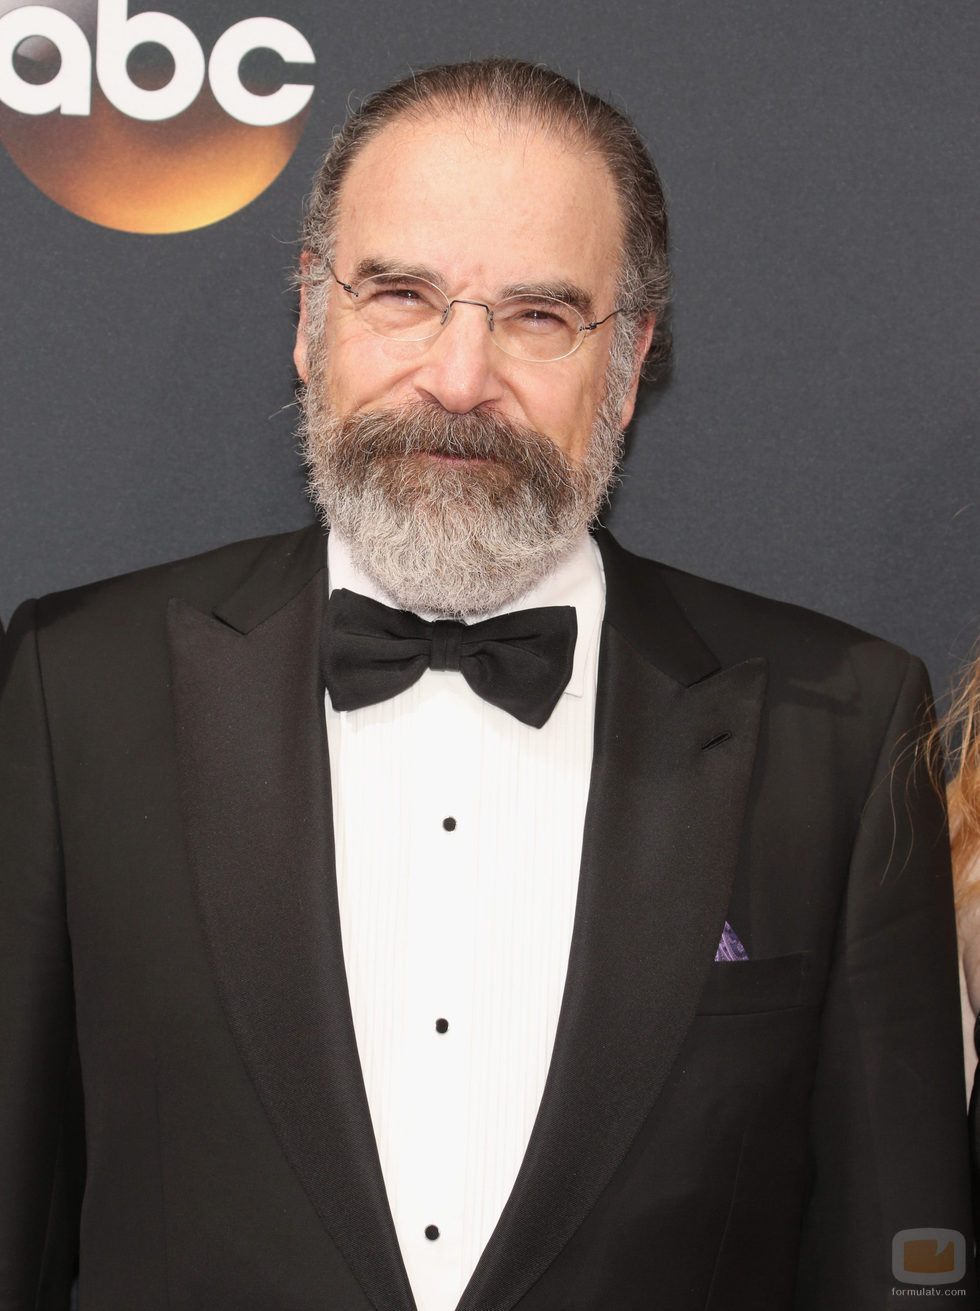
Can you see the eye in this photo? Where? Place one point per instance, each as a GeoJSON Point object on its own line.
{"type": "Point", "coordinates": [394, 292]}
{"type": "Point", "coordinates": [400, 307]}
{"type": "Point", "coordinates": [541, 318]}
{"type": "Point", "coordinates": [536, 316]}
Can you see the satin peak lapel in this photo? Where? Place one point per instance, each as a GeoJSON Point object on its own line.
{"type": "Point", "coordinates": [674, 749]}
{"type": "Point", "coordinates": [255, 791]}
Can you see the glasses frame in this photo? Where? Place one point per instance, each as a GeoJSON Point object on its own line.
{"type": "Point", "coordinates": [584, 328]}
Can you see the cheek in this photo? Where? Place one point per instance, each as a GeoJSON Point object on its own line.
{"type": "Point", "coordinates": [363, 370]}
{"type": "Point", "coordinates": [563, 409]}
{"type": "Point", "coordinates": [356, 369]}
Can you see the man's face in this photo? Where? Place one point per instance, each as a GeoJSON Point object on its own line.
{"type": "Point", "coordinates": [457, 475]}
{"type": "Point", "coordinates": [480, 211]}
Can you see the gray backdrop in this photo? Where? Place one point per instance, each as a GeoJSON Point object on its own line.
{"type": "Point", "coordinates": [816, 440]}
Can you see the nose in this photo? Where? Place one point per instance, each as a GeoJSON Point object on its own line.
{"type": "Point", "coordinates": [462, 368]}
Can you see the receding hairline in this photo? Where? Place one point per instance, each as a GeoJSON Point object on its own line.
{"type": "Point", "coordinates": [481, 102]}
{"type": "Point", "coordinates": [484, 108]}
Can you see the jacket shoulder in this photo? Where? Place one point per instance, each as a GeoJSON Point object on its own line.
{"type": "Point", "coordinates": [737, 610]}
{"type": "Point", "coordinates": [203, 581]}
{"type": "Point", "coordinates": [801, 645]}
{"type": "Point", "coordinates": [113, 623]}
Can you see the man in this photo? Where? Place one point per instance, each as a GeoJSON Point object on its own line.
{"type": "Point", "coordinates": [588, 945]}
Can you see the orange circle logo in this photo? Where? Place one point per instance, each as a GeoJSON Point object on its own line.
{"type": "Point", "coordinates": [124, 120]}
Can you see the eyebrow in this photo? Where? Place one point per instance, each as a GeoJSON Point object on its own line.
{"type": "Point", "coordinates": [375, 267]}
{"type": "Point", "coordinates": [569, 293]}
{"type": "Point", "coordinates": [566, 292]}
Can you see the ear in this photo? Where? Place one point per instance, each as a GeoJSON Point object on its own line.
{"type": "Point", "coordinates": [303, 327]}
{"type": "Point", "coordinates": [642, 346]}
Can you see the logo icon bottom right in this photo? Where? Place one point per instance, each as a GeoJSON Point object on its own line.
{"type": "Point", "coordinates": [929, 1256]}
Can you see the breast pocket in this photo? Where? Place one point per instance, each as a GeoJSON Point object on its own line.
{"type": "Point", "coordinates": [747, 986]}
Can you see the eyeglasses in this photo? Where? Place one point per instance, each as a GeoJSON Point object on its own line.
{"type": "Point", "coordinates": [539, 329]}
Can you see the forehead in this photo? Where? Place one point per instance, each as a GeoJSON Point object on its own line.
{"type": "Point", "coordinates": [485, 205]}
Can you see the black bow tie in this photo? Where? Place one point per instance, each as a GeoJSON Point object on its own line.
{"type": "Point", "coordinates": [520, 662]}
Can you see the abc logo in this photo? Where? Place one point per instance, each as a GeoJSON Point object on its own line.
{"type": "Point", "coordinates": [126, 120]}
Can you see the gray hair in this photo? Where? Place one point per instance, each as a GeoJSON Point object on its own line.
{"type": "Point", "coordinates": [513, 92]}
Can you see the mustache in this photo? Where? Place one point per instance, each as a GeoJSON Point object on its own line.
{"type": "Point", "coordinates": [421, 429]}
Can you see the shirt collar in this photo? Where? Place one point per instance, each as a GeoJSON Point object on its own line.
{"type": "Point", "coordinates": [577, 580]}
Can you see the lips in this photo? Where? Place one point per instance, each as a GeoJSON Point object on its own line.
{"type": "Point", "coordinates": [443, 458]}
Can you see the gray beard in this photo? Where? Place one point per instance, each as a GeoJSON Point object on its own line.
{"type": "Point", "coordinates": [445, 539]}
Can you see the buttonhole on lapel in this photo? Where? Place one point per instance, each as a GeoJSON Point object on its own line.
{"type": "Point", "coordinates": [715, 741]}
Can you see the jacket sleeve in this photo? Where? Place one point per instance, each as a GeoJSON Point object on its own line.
{"type": "Point", "coordinates": [39, 1081]}
{"type": "Point", "coordinates": [888, 1142]}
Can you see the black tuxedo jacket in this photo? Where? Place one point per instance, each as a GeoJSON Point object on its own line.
{"type": "Point", "coordinates": [173, 994]}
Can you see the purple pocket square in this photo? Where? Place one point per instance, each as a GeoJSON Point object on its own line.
{"type": "Point", "coordinates": [730, 947]}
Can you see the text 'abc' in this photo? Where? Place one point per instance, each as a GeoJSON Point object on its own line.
{"type": "Point", "coordinates": [117, 35]}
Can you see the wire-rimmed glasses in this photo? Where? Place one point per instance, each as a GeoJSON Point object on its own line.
{"type": "Point", "coordinates": [539, 329]}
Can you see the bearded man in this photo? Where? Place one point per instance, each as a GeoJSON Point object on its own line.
{"type": "Point", "coordinates": [452, 909]}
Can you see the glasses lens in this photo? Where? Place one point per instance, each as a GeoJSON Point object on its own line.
{"type": "Point", "coordinates": [405, 309]}
{"type": "Point", "coordinates": [537, 328]}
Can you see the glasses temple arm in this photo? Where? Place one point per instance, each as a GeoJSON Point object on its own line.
{"type": "Point", "coordinates": [597, 323]}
